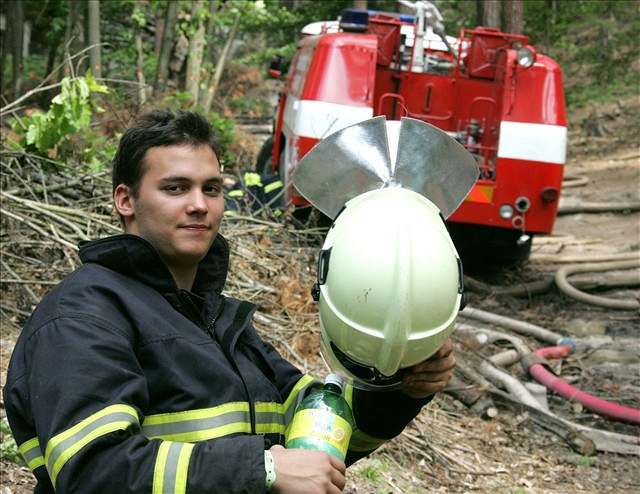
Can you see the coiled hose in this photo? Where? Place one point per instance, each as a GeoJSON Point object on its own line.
{"type": "Point", "coordinates": [611, 303]}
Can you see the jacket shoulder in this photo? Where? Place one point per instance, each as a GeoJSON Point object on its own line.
{"type": "Point", "coordinates": [91, 292]}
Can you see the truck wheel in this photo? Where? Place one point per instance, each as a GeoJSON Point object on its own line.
{"type": "Point", "coordinates": [264, 162]}
{"type": "Point", "coordinates": [484, 248]}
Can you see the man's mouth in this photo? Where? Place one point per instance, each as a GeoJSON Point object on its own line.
{"type": "Point", "coordinates": [196, 226]}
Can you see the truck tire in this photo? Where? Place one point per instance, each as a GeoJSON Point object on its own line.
{"type": "Point", "coordinates": [264, 161]}
{"type": "Point", "coordinates": [484, 248]}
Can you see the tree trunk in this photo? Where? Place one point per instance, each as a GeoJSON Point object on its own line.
{"type": "Point", "coordinates": [491, 13]}
{"type": "Point", "coordinates": [196, 49]}
{"type": "Point", "coordinates": [142, 89]}
{"type": "Point", "coordinates": [93, 25]}
{"type": "Point", "coordinates": [16, 26]}
{"type": "Point", "coordinates": [162, 71]}
{"type": "Point", "coordinates": [74, 35]}
{"type": "Point", "coordinates": [360, 4]}
{"type": "Point", "coordinates": [479, 11]}
{"type": "Point", "coordinates": [514, 16]}
{"type": "Point", "coordinates": [213, 87]}
{"type": "Point", "coordinates": [52, 53]}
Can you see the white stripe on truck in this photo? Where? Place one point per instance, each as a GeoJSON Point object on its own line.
{"type": "Point", "coordinates": [318, 119]}
{"type": "Point", "coordinates": [533, 142]}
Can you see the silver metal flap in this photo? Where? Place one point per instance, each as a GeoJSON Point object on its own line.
{"type": "Point", "coordinates": [344, 165]}
{"type": "Point", "coordinates": [435, 165]}
{"type": "Point", "coordinates": [357, 159]}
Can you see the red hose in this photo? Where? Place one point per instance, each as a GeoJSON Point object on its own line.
{"type": "Point", "coordinates": [563, 388]}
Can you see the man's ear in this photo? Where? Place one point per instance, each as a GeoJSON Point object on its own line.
{"type": "Point", "coordinates": [124, 201]}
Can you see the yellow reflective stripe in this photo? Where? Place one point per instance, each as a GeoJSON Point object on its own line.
{"type": "Point", "coordinates": [32, 454]}
{"type": "Point", "coordinates": [63, 446]}
{"type": "Point", "coordinates": [172, 467]}
{"type": "Point", "coordinates": [183, 468]}
{"type": "Point", "coordinates": [201, 413]}
{"type": "Point", "coordinates": [295, 396]}
{"type": "Point", "coordinates": [251, 179]}
{"type": "Point", "coordinates": [269, 418]}
{"type": "Point", "coordinates": [235, 193]}
{"type": "Point", "coordinates": [273, 186]}
{"type": "Point", "coordinates": [348, 395]}
{"type": "Point", "coordinates": [205, 434]}
{"type": "Point", "coordinates": [199, 425]}
{"type": "Point", "coordinates": [158, 470]}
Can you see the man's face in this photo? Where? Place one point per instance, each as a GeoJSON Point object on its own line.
{"type": "Point", "coordinates": [179, 204]}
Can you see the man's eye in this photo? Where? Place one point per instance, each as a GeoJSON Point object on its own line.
{"type": "Point", "coordinates": [175, 188]}
{"type": "Point", "coordinates": [212, 190]}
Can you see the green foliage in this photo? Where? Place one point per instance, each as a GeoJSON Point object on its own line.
{"type": "Point", "coordinates": [251, 107]}
{"type": "Point", "coordinates": [225, 128]}
{"type": "Point", "coordinates": [8, 446]}
{"type": "Point", "coordinates": [373, 470]}
{"type": "Point", "coordinates": [262, 57]}
{"type": "Point", "coordinates": [594, 43]}
{"type": "Point", "coordinates": [70, 112]}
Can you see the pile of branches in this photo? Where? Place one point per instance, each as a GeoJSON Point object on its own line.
{"type": "Point", "coordinates": [48, 207]}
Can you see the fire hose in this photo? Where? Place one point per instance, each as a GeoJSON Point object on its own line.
{"type": "Point", "coordinates": [568, 289]}
{"type": "Point", "coordinates": [558, 385]}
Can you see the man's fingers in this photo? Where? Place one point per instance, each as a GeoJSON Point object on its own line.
{"type": "Point", "coordinates": [444, 350]}
{"type": "Point", "coordinates": [441, 365]}
{"type": "Point", "coordinates": [424, 388]}
{"type": "Point", "coordinates": [337, 464]}
{"type": "Point", "coordinates": [338, 479]}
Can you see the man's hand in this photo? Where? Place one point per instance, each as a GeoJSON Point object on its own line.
{"type": "Point", "coordinates": [432, 375]}
{"type": "Point", "coordinates": [300, 471]}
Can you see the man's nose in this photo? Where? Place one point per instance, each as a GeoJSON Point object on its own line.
{"type": "Point", "coordinates": [197, 203]}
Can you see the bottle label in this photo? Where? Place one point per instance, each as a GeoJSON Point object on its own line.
{"type": "Point", "coordinates": [321, 425]}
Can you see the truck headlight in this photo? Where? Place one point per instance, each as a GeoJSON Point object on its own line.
{"type": "Point", "coordinates": [506, 211]}
{"type": "Point", "coordinates": [526, 56]}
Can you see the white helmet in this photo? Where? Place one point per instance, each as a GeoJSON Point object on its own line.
{"type": "Point", "coordinates": [390, 281]}
{"type": "Point", "coordinates": [389, 286]}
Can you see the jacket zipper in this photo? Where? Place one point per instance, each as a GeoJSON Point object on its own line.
{"type": "Point", "coordinates": [210, 328]}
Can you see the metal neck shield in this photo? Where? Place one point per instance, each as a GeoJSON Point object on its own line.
{"type": "Point", "coordinates": [377, 153]}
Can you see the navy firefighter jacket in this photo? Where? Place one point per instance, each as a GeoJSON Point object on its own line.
{"type": "Point", "coordinates": [123, 383]}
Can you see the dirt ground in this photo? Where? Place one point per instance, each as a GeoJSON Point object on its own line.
{"type": "Point", "coordinates": [448, 448]}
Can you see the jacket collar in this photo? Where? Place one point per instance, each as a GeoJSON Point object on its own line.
{"type": "Point", "coordinates": [135, 257]}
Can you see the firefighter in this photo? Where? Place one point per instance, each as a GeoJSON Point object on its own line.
{"type": "Point", "coordinates": [136, 374]}
{"type": "Point", "coordinates": [256, 194]}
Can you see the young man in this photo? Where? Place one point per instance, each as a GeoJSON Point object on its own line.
{"type": "Point", "coordinates": [135, 374]}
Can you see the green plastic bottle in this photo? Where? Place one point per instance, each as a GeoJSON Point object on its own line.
{"type": "Point", "coordinates": [323, 421]}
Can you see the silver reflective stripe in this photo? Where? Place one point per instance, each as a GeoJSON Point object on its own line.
{"type": "Point", "coordinates": [170, 468]}
{"type": "Point", "coordinates": [84, 432]}
{"type": "Point", "coordinates": [32, 454]}
{"type": "Point", "coordinates": [183, 426]}
{"type": "Point", "coordinates": [269, 418]}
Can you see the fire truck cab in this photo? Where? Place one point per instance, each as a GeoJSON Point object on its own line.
{"type": "Point", "coordinates": [488, 89]}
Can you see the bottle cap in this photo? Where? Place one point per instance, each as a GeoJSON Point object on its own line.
{"type": "Point", "coordinates": [334, 379]}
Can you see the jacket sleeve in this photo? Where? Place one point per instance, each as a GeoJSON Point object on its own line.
{"type": "Point", "coordinates": [379, 416]}
{"type": "Point", "coordinates": [87, 392]}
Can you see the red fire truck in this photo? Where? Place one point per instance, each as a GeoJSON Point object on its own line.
{"type": "Point", "coordinates": [488, 89]}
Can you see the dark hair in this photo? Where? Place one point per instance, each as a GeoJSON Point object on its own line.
{"type": "Point", "coordinates": [153, 129]}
